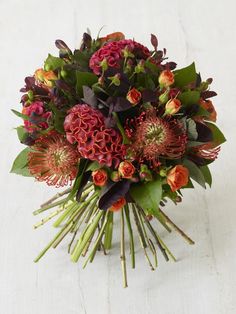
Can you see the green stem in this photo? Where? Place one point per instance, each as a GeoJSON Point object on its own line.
{"type": "Point", "coordinates": [132, 250]}
{"type": "Point", "coordinates": [121, 129]}
{"type": "Point", "coordinates": [122, 250]}
{"type": "Point", "coordinates": [108, 232]}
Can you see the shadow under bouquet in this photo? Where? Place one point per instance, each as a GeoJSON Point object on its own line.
{"type": "Point", "coordinates": [125, 131]}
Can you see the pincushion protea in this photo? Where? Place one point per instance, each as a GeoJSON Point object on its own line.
{"type": "Point", "coordinates": [53, 159]}
{"type": "Point", "coordinates": [154, 137]}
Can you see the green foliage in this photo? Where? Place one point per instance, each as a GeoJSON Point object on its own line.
{"type": "Point", "coordinates": [147, 195]}
{"type": "Point", "coordinates": [59, 117]}
{"type": "Point", "coordinates": [21, 133]}
{"type": "Point", "coordinates": [189, 98]}
{"type": "Point", "coordinates": [185, 76]}
{"type": "Point", "coordinates": [84, 79]}
{"type": "Point", "coordinates": [20, 164]}
{"type": "Point", "coordinates": [53, 63]}
{"type": "Point", "coordinates": [218, 136]}
{"type": "Point", "coordinates": [191, 129]}
{"type": "Point", "coordinates": [20, 115]}
{"type": "Point", "coordinates": [195, 172]}
{"type": "Point", "coordinates": [207, 175]}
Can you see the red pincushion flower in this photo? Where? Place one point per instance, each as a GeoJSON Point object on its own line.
{"type": "Point", "coordinates": [153, 138]}
{"type": "Point", "coordinates": [81, 121]}
{"type": "Point", "coordinates": [86, 126]}
{"type": "Point", "coordinates": [53, 160]}
{"type": "Point", "coordinates": [112, 52]}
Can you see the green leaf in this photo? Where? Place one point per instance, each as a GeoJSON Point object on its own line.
{"type": "Point", "coordinates": [189, 185]}
{"type": "Point", "coordinates": [20, 164]}
{"type": "Point", "coordinates": [59, 118]}
{"type": "Point", "coordinates": [147, 195]}
{"type": "Point", "coordinates": [207, 175]}
{"type": "Point", "coordinates": [185, 76]}
{"type": "Point", "coordinates": [194, 144]}
{"type": "Point", "coordinates": [20, 115]}
{"type": "Point", "coordinates": [84, 79]}
{"type": "Point", "coordinates": [218, 136]}
{"type": "Point", "coordinates": [195, 172]}
{"type": "Point", "coordinates": [53, 63]}
{"type": "Point", "coordinates": [189, 98]}
{"type": "Point", "coordinates": [81, 58]}
{"type": "Point", "coordinates": [21, 132]}
{"type": "Point", "coordinates": [93, 166]}
{"type": "Point", "coordinates": [191, 129]}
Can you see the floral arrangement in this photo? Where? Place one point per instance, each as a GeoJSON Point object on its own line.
{"type": "Point", "coordinates": [126, 131]}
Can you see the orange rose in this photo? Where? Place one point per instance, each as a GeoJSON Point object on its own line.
{"type": "Point", "coordinates": [208, 105]}
{"type": "Point", "coordinates": [177, 177]}
{"type": "Point", "coordinates": [134, 96]}
{"type": "Point", "coordinates": [112, 37]}
{"type": "Point", "coordinates": [126, 169]}
{"type": "Point", "coordinates": [99, 177]}
{"type": "Point", "coordinates": [166, 78]}
{"type": "Point", "coordinates": [118, 204]}
{"type": "Point", "coordinates": [45, 77]}
{"type": "Point", "coordinates": [173, 106]}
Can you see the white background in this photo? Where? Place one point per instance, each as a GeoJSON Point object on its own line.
{"type": "Point", "coordinates": [204, 278]}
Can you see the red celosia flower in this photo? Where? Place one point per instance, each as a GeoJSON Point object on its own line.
{"type": "Point", "coordinates": [153, 137]}
{"type": "Point", "coordinates": [38, 116]}
{"type": "Point", "coordinates": [112, 52]}
{"type": "Point", "coordinates": [53, 160]}
{"type": "Point", "coordinates": [81, 121]}
{"type": "Point", "coordinates": [86, 126]}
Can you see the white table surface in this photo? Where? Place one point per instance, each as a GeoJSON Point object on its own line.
{"type": "Point", "coordinates": [203, 281]}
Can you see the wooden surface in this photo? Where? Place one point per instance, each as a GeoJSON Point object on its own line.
{"type": "Point", "coordinates": [203, 281]}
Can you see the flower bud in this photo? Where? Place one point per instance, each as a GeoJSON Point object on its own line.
{"type": "Point", "coordinates": [30, 95]}
{"type": "Point", "coordinates": [104, 64]}
{"type": "Point", "coordinates": [118, 204]}
{"type": "Point", "coordinates": [162, 173]}
{"type": "Point", "coordinates": [127, 53]}
{"type": "Point", "coordinates": [115, 80]}
{"type": "Point", "coordinates": [134, 96]}
{"type": "Point", "coordinates": [99, 177]}
{"type": "Point", "coordinates": [140, 67]}
{"type": "Point", "coordinates": [115, 177]}
{"type": "Point", "coordinates": [166, 78]}
{"type": "Point", "coordinates": [145, 174]}
{"type": "Point", "coordinates": [173, 106]}
{"type": "Point", "coordinates": [163, 98]}
{"type": "Point", "coordinates": [126, 169]}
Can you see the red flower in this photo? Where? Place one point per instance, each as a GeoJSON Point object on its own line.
{"type": "Point", "coordinates": [99, 177]}
{"type": "Point", "coordinates": [177, 177]}
{"type": "Point", "coordinates": [118, 204]}
{"type": "Point", "coordinates": [126, 169]}
{"type": "Point", "coordinates": [112, 52]}
{"type": "Point", "coordinates": [39, 118]}
{"type": "Point", "coordinates": [134, 96]}
{"type": "Point", "coordinates": [152, 138]}
{"type": "Point", "coordinates": [86, 127]}
{"type": "Point", "coordinates": [81, 121]}
{"type": "Point", "coordinates": [166, 78]}
{"type": "Point", "coordinates": [206, 151]}
{"type": "Point", "coordinates": [53, 160]}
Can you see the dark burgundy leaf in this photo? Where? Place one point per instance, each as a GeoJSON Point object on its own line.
{"type": "Point", "coordinates": [60, 44]}
{"type": "Point", "coordinates": [149, 96]}
{"type": "Point", "coordinates": [62, 85]}
{"type": "Point", "coordinates": [110, 122]}
{"type": "Point", "coordinates": [86, 41]}
{"type": "Point", "coordinates": [154, 41]}
{"type": "Point", "coordinates": [199, 161]}
{"type": "Point", "coordinates": [204, 133]}
{"type": "Point", "coordinates": [171, 65]}
{"type": "Point", "coordinates": [208, 94]}
{"type": "Point", "coordinates": [83, 182]}
{"type": "Point", "coordinates": [89, 96]}
{"type": "Point", "coordinates": [121, 104]}
{"type": "Point", "coordinates": [112, 192]}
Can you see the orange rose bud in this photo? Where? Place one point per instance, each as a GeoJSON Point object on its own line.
{"type": "Point", "coordinates": [208, 105]}
{"type": "Point", "coordinates": [166, 78]}
{"type": "Point", "coordinates": [118, 204]}
{"type": "Point", "coordinates": [113, 37]}
{"type": "Point", "coordinates": [177, 177]}
{"type": "Point", "coordinates": [45, 77]}
{"type": "Point", "coordinates": [99, 177]}
{"type": "Point", "coordinates": [173, 106]}
{"type": "Point", "coordinates": [126, 169]}
{"type": "Point", "coordinates": [134, 96]}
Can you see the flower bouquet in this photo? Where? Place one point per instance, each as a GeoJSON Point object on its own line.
{"type": "Point", "coordinates": [125, 131]}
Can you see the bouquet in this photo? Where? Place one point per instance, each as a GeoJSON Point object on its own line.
{"type": "Point", "coordinates": [125, 131]}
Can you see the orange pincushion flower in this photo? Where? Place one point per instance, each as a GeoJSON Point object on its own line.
{"type": "Point", "coordinates": [53, 159]}
{"type": "Point", "coordinates": [118, 204]}
{"type": "Point", "coordinates": [177, 177]}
